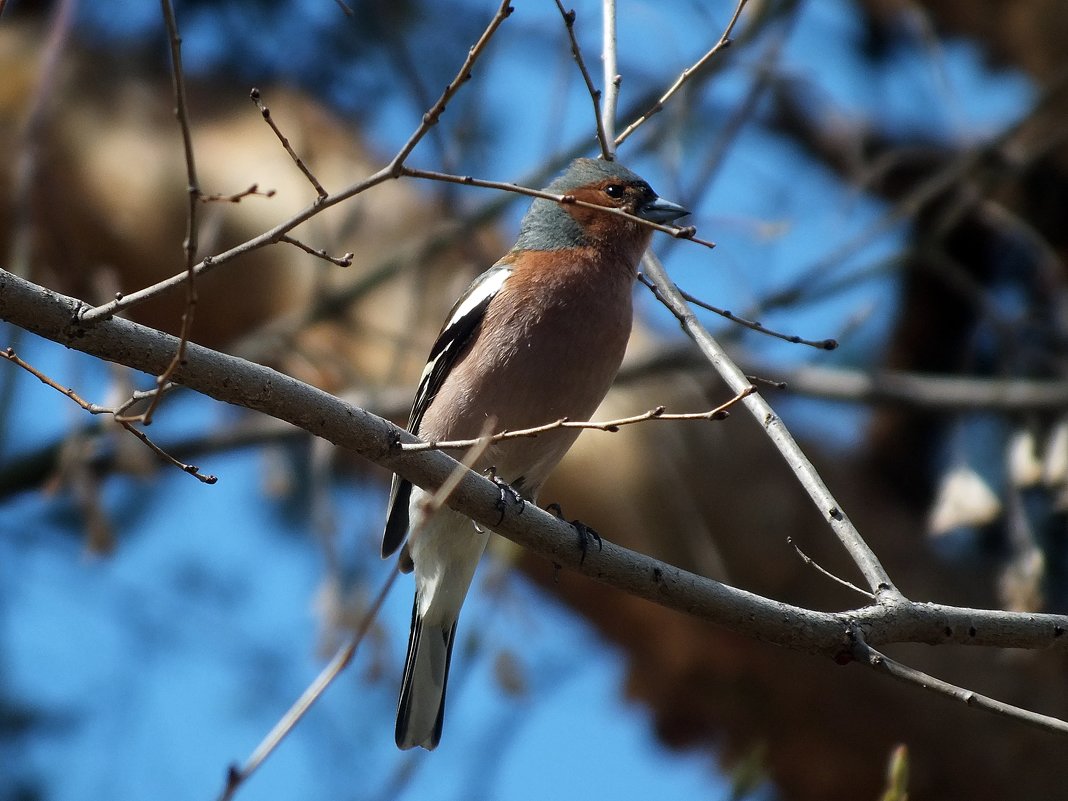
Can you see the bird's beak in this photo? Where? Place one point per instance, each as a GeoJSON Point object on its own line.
{"type": "Point", "coordinates": [659, 210]}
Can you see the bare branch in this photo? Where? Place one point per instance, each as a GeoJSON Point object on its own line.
{"type": "Point", "coordinates": [595, 93]}
{"type": "Point", "coordinates": [235, 776]}
{"type": "Point", "coordinates": [687, 232]}
{"type": "Point", "coordinates": [865, 559]}
{"type": "Point", "coordinates": [431, 117]}
{"type": "Point", "coordinates": [612, 426]}
{"type": "Point", "coordinates": [127, 423]}
{"type": "Point", "coordinates": [237, 197]}
{"type": "Point", "coordinates": [266, 113]}
{"type": "Point", "coordinates": [612, 78]}
{"type": "Point", "coordinates": [181, 112]}
{"type": "Point", "coordinates": [91, 316]}
{"type": "Point", "coordinates": [754, 325]}
{"type": "Point", "coordinates": [821, 344]}
{"type": "Point", "coordinates": [232, 380]}
{"type": "Point", "coordinates": [340, 261]}
{"type": "Point", "coordinates": [882, 663]}
{"type": "Point", "coordinates": [899, 387]}
{"type": "Point", "coordinates": [658, 106]}
{"type": "Point", "coordinates": [929, 391]}
{"type": "Point", "coordinates": [808, 560]}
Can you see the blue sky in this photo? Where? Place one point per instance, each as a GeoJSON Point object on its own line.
{"type": "Point", "coordinates": [154, 668]}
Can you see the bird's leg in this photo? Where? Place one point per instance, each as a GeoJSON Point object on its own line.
{"type": "Point", "coordinates": [585, 533]}
{"type": "Point", "coordinates": [505, 489]}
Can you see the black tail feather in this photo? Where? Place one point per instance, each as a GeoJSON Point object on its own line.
{"type": "Point", "coordinates": [412, 692]}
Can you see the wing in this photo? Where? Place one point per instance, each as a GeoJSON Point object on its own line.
{"type": "Point", "coordinates": [459, 330]}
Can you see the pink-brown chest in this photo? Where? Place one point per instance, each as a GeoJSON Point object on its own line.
{"type": "Point", "coordinates": [549, 347]}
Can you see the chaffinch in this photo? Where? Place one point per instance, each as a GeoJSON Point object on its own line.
{"type": "Point", "coordinates": [538, 336]}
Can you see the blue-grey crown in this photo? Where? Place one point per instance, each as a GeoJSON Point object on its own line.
{"type": "Point", "coordinates": [547, 225]}
{"type": "Point", "coordinates": [582, 172]}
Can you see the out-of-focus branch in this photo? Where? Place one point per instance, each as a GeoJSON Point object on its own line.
{"type": "Point", "coordinates": [237, 776]}
{"type": "Point", "coordinates": [884, 387]}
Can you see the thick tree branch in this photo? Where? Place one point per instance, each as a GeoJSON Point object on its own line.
{"type": "Point", "coordinates": [226, 378]}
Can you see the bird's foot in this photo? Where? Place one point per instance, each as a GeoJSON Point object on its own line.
{"type": "Point", "coordinates": [585, 533]}
{"type": "Point", "coordinates": [505, 491]}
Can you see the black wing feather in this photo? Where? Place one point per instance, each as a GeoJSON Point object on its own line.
{"type": "Point", "coordinates": [459, 331]}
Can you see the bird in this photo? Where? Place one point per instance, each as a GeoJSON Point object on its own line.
{"type": "Point", "coordinates": [537, 337]}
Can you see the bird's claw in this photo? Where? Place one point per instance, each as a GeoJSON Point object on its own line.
{"type": "Point", "coordinates": [506, 490]}
{"type": "Point", "coordinates": [585, 533]}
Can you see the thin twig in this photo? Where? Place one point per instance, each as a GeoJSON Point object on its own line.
{"type": "Point", "coordinates": [774, 383]}
{"type": "Point", "coordinates": [808, 560]}
{"type": "Point", "coordinates": [882, 663]}
{"type": "Point", "coordinates": [821, 344]}
{"type": "Point", "coordinates": [448, 487]}
{"type": "Point", "coordinates": [431, 117]}
{"type": "Point", "coordinates": [612, 426]}
{"type": "Point", "coordinates": [679, 232]}
{"type": "Point", "coordinates": [595, 93]}
{"type": "Point", "coordinates": [865, 559]}
{"type": "Point", "coordinates": [88, 316]}
{"type": "Point", "coordinates": [181, 112]}
{"type": "Point", "coordinates": [32, 138]}
{"type": "Point", "coordinates": [235, 777]}
{"type": "Point", "coordinates": [266, 114]}
{"type": "Point", "coordinates": [658, 106]}
{"type": "Point", "coordinates": [340, 261]}
{"type": "Point", "coordinates": [612, 78]}
{"type": "Point", "coordinates": [24, 162]}
{"type": "Point", "coordinates": [93, 408]}
{"type": "Point", "coordinates": [887, 387]}
{"type": "Point", "coordinates": [237, 197]}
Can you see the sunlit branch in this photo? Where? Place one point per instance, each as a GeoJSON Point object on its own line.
{"type": "Point", "coordinates": [594, 92]}
{"type": "Point", "coordinates": [612, 426]}
{"type": "Point", "coordinates": [829, 508]}
{"type": "Point", "coordinates": [723, 42]}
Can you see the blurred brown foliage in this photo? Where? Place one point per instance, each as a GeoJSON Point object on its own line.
{"type": "Point", "coordinates": [106, 213]}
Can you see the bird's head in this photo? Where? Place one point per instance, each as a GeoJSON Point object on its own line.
{"type": "Point", "coordinates": [554, 226]}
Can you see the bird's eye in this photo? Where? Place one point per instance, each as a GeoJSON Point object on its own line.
{"type": "Point", "coordinates": [614, 191]}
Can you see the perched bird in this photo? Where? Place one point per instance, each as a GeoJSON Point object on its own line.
{"type": "Point", "coordinates": [538, 336]}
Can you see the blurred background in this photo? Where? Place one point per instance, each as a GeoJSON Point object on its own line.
{"type": "Point", "coordinates": [889, 173]}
